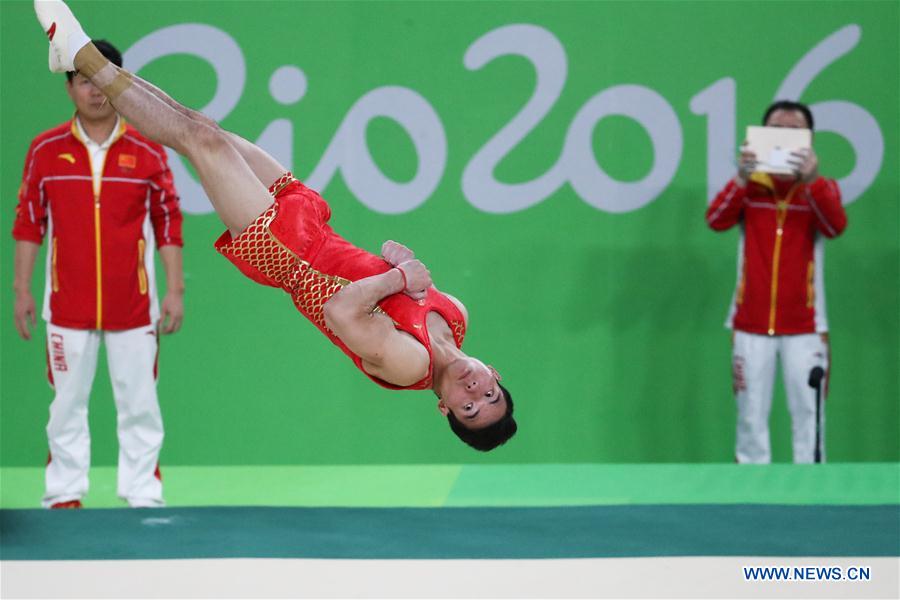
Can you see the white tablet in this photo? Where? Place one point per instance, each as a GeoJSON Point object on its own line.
{"type": "Point", "coordinates": [773, 145]}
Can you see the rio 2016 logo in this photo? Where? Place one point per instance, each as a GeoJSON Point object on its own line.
{"type": "Point", "coordinates": [576, 164]}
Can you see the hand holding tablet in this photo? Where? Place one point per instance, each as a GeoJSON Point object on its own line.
{"type": "Point", "coordinates": [777, 148]}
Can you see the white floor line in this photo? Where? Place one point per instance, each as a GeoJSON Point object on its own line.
{"type": "Point", "coordinates": [682, 577]}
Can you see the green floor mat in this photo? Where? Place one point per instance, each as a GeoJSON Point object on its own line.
{"type": "Point", "coordinates": [489, 485]}
{"type": "Point", "coordinates": [450, 533]}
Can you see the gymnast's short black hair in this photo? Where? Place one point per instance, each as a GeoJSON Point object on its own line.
{"type": "Point", "coordinates": [111, 53]}
{"type": "Point", "coordinates": [495, 434]}
{"type": "Point", "coordinates": [792, 106]}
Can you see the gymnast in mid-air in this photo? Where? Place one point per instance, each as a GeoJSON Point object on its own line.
{"type": "Point", "coordinates": [382, 311]}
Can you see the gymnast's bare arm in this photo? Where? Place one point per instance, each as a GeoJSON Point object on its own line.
{"type": "Point", "coordinates": [396, 253]}
{"type": "Point", "coordinates": [387, 353]}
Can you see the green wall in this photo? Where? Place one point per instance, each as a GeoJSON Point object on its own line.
{"type": "Point", "coordinates": [601, 304]}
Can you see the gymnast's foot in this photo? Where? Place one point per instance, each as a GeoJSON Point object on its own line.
{"type": "Point", "coordinates": [65, 33]}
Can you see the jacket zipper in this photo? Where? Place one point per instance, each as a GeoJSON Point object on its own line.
{"type": "Point", "coordinates": [97, 185]}
{"type": "Point", "coordinates": [781, 209]}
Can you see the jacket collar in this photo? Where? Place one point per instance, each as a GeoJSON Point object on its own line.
{"type": "Point", "coordinates": [117, 133]}
{"type": "Point", "coordinates": [778, 188]}
{"type": "Point", "coordinates": [763, 179]}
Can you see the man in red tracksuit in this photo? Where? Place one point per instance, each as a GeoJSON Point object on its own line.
{"type": "Point", "coordinates": [102, 195]}
{"type": "Point", "coordinates": [778, 307]}
{"type": "Point", "coordinates": [382, 312]}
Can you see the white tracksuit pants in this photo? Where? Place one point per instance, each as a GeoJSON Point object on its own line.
{"type": "Point", "coordinates": [753, 372]}
{"type": "Point", "coordinates": [72, 361]}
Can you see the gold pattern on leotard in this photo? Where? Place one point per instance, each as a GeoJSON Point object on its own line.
{"type": "Point", "coordinates": [309, 289]}
{"type": "Point", "coordinates": [281, 183]}
{"type": "Point", "coordinates": [459, 332]}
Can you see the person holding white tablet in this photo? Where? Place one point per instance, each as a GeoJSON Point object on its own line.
{"type": "Point", "coordinates": [785, 211]}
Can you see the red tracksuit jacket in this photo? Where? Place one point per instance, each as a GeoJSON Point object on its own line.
{"type": "Point", "coordinates": [97, 264]}
{"type": "Point", "coordinates": [780, 289]}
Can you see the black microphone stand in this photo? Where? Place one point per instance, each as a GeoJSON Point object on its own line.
{"type": "Point", "coordinates": [815, 381]}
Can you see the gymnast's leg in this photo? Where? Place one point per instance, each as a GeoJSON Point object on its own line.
{"type": "Point", "coordinates": [236, 192]}
{"type": "Point", "coordinates": [263, 165]}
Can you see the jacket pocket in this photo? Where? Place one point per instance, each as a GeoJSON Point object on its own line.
{"type": "Point", "coordinates": [54, 274]}
{"type": "Point", "coordinates": [810, 284]}
{"type": "Point", "coordinates": [141, 270]}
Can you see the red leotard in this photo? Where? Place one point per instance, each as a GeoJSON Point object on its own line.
{"type": "Point", "coordinates": [291, 246]}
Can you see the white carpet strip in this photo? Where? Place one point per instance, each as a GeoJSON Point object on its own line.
{"type": "Point", "coordinates": [680, 577]}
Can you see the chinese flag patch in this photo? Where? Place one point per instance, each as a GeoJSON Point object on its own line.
{"type": "Point", "coordinates": [127, 161]}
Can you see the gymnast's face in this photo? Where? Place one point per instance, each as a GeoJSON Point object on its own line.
{"type": "Point", "coordinates": [470, 391]}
